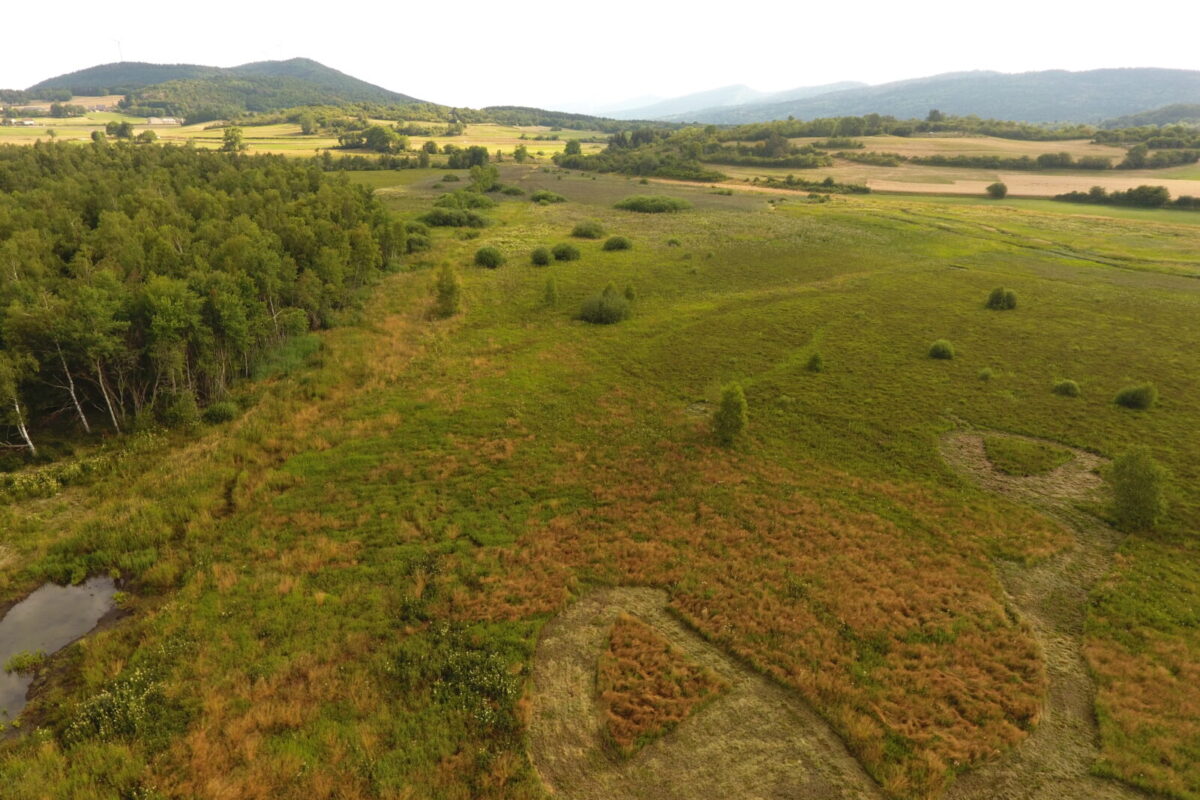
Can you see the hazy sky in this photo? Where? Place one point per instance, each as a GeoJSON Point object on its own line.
{"type": "Point", "coordinates": [590, 54]}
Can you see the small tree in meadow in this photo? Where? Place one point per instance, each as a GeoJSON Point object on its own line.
{"type": "Point", "coordinates": [1140, 396]}
{"type": "Point", "coordinates": [997, 191]}
{"type": "Point", "coordinates": [815, 363]}
{"type": "Point", "coordinates": [489, 257]}
{"type": "Point", "coordinates": [731, 418]}
{"type": "Point", "coordinates": [1137, 483]}
{"type": "Point", "coordinates": [1066, 388]}
{"type": "Point", "coordinates": [540, 257]}
{"type": "Point", "coordinates": [448, 292]}
{"type": "Point", "coordinates": [565, 252]}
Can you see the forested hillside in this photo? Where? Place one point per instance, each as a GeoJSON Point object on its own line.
{"type": "Point", "coordinates": [138, 282]}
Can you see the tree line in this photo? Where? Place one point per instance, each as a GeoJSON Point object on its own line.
{"type": "Point", "coordinates": [138, 282]}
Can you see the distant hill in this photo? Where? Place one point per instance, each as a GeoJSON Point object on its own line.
{"type": "Point", "coordinates": [1187, 113]}
{"type": "Point", "coordinates": [677, 108]}
{"type": "Point", "coordinates": [1048, 96]}
{"type": "Point", "coordinates": [201, 93]}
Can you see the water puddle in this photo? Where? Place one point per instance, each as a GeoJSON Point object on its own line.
{"type": "Point", "coordinates": [47, 620]}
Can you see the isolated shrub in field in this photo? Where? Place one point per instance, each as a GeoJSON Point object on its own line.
{"type": "Point", "coordinates": [605, 308]}
{"type": "Point", "coordinates": [565, 252]}
{"type": "Point", "coordinates": [618, 243]}
{"type": "Point", "coordinates": [731, 417]}
{"type": "Point", "coordinates": [464, 198]}
{"type": "Point", "coordinates": [453, 218]}
{"type": "Point", "coordinates": [1067, 388]}
{"type": "Point", "coordinates": [815, 363]}
{"type": "Point", "coordinates": [447, 292]}
{"type": "Point", "coordinates": [550, 293]}
{"type": "Point", "coordinates": [546, 197]}
{"type": "Point", "coordinates": [1140, 396]}
{"type": "Point", "coordinates": [674, 243]}
{"type": "Point", "coordinates": [588, 230]}
{"type": "Point", "coordinates": [512, 191]}
{"type": "Point", "coordinates": [1137, 483]}
{"type": "Point", "coordinates": [1002, 299]}
{"type": "Point", "coordinates": [942, 348]}
{"type": "Point", "coordinates": [653, 204]}
{"type": "Point", "coordinates": [997, 191]}
{"type": "Point", "coordinates": [449, 177]}
{"type": "Point", "coordinates": [489, 257]}
{"type": "Point", "coordinates": [418, 243]}
{"type": "Point", "coordinates": [629, 293]}
{"type": "Point", "coordinates": [223, 411]}
{"type": "Point", "coordinates": [540, 256]}
{"type": "Point", "coordinates": [986, 374]}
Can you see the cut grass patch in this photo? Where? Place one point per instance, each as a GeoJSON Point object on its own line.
{"type": "Point", "coordinates": [1023, 457]}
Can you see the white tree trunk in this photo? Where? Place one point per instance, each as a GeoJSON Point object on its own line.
{"type": "Point", "coordinates": [71, 387]}
{"type": "Point", "coordinates": [107, 400]}
{"type": "Point", "coordinates": [21, 427]}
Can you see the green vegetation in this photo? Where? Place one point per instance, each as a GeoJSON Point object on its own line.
{"type": "Point", "coordinates": [606, 307]}
{"type": "Point", "coordinates": [1140, 396]}
{"type": "Point", "coordinates": [997, 191]}
{"type": "Point", "coordinates": [588, 230]}
{"type": "Point", "coordinates": [540, 257]}
{"type": "Point", "coordinates": [941, 349]}
{"type": "Point", "coordinates": [815, 363]}
{"type": "Point", "coordinates": [546, 197]}
{"type": "Point", "coordinates": [489, 257]}
{"type": "Point", "coordinates": [448, 292]}
{"type": "Point", "coordinates": [731, 417]}
{"type": "Point", "coordinates": [653, 204]}
{"type": "Point", "coordinates": [26, 661]}
{"type": "Point", "coordinates": [1140, 197]}
{"type": "Point", "coordinates": [1138, 483]}
{"type": "Point", "coordinates": [1066, 388]}
{"type": "Point", "coordinates": [1023, 457]}
{"type": "Point", "coordinates": [1002, 299]}
{"type": "Point", "coordinates": [617, 243]}
{"type": "Point", "coordinates": [565, 251]}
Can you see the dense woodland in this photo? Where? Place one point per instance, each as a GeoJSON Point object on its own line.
{"type": "Point", "coordinates": [137, 282]}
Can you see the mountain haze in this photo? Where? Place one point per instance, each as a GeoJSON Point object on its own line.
{"type": "Point", "coordinates": [677, 108]}
{"type": "Point", "coordinates": [1047, 96]}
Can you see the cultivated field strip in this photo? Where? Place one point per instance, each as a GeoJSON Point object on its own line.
{"type": "Point", "coordinates": [757, 741]}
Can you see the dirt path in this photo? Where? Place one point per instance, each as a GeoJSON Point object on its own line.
{"type": "Point", "coordinates": [1053, 763]}
{"type": "Point", "coordinates": [756, 741]}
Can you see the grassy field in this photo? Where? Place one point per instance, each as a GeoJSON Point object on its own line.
{"type": "Point", "coordinates": [339, 593]}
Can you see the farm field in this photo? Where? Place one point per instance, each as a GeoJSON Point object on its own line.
{"type": "Point", "coordinates": [408, 508]}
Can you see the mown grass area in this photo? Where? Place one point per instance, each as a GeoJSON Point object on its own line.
{"type": "Point", "coordinates": [338, 593]}
{"type": "Point", "coordinates": [1023, 457]}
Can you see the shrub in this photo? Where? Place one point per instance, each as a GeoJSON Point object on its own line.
{"type": "Point", "coordinates": [674, 243]}
{"type": "Point", "coordinates": [997, 191]}
{"type": "Point", "coordinates": [546, 197]}
{"type": "Point", "coordinates": [588, 230]}
{"type": "Point", "coordinates": [986, 374]}
{"type": "Point", "coordinates": [1140, 396]}
{"type": "Point", "coordinates": [565, 252]}
{"type": "Point", "coordinates": [453, 218]}
{"type": "Point", "coordinates": [653, 204]}
{"type": "Point", "coordinates": [448, 292]}
{"type": "Point", "coordinates": [617, 243]}
{"type": "Point", "coordinates": [942, 348]}
{"type": "Point", "coordinates": [605, 308]}
{"type": "Point", "coordinates": [815, 363]}
{"type": "Point", "coordinates": [180, 409]}
{"type": "Point", "coordinates": [450, 177]}
{"type": "Point", "coordinates": [550, 293]}
{"type": "Point", "coordinates": [418, 243]}
{"type": "Point", "coordinates": [224, 411]}
{"type": "Point", "coordinates": [1067, 388]}
{"type": "Point", "coordinates": [540, 256]}
{"type": "Point", "coordinates": [1002, 299]}
{"type": "Point", "coordinates": [489, 257]}
{"type": "Point", "coordinates": [629, 293]}
{"type": "Point", "coordinates": [1137, 483]}
{"type": "Point", "coordinates": [731, 418]}
{"type": "Point", "coordinates": [464, 199]}
{"type": "Point", "coordinates": [512, 191]}
{"type": "Point", "coordinates": [25, 661]}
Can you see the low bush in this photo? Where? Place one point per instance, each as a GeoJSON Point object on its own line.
{"type": "Point", "coordinates": [512, 191]}
{"type": "Point", "coordinates": [1002, 299]}
{"type": "Point", "coordinates": [540, 256]}
{"type": "Point", "coordinates": [453, 218]}
{"type": "Point", "coordinates": [489, 257]}
{"type": "Point", "coordinates": [546, 197]}
{"type": "Point", "coordinates": [815, 363]}
{"type": "Point", "coordinates": [997, 191]}
{"type": "Point", "coordinates": [223, 411]}
{"type": "Point", "coordinates": [1140, 396]}
{"type": "Point", "coordinates": [565, 252]}
{"type": "Point", "coordinates": [1137, 482]}
{"type": "Point", "coordinates": [731, 418]}
{"type": "Point", "coordinates": [464, 199]}
{"type": "Point", "coordinates": [605, 308]}
{"type": "Point", "coordinates": [986, 374]}
{"type": "Point", "coordinates": [942, 348]}
{"type": "Point", "coordinates": [653, 204]}
{"type": "Point", "coordinates": [618, 243]}
{"type": "Point", "coordinates": [588, 230]}
{"type": "Point", "coordinates": [1066, 388]}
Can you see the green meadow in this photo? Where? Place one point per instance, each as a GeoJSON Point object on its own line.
{"type": "Point", "coordinates": [338, 594]}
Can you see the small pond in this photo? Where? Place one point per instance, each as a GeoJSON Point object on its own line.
{"type": "Point", "coordinates": [48, 620]}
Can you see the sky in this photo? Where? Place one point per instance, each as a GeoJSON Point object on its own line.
{"type": "Point", "coordinates": [587, 56]}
